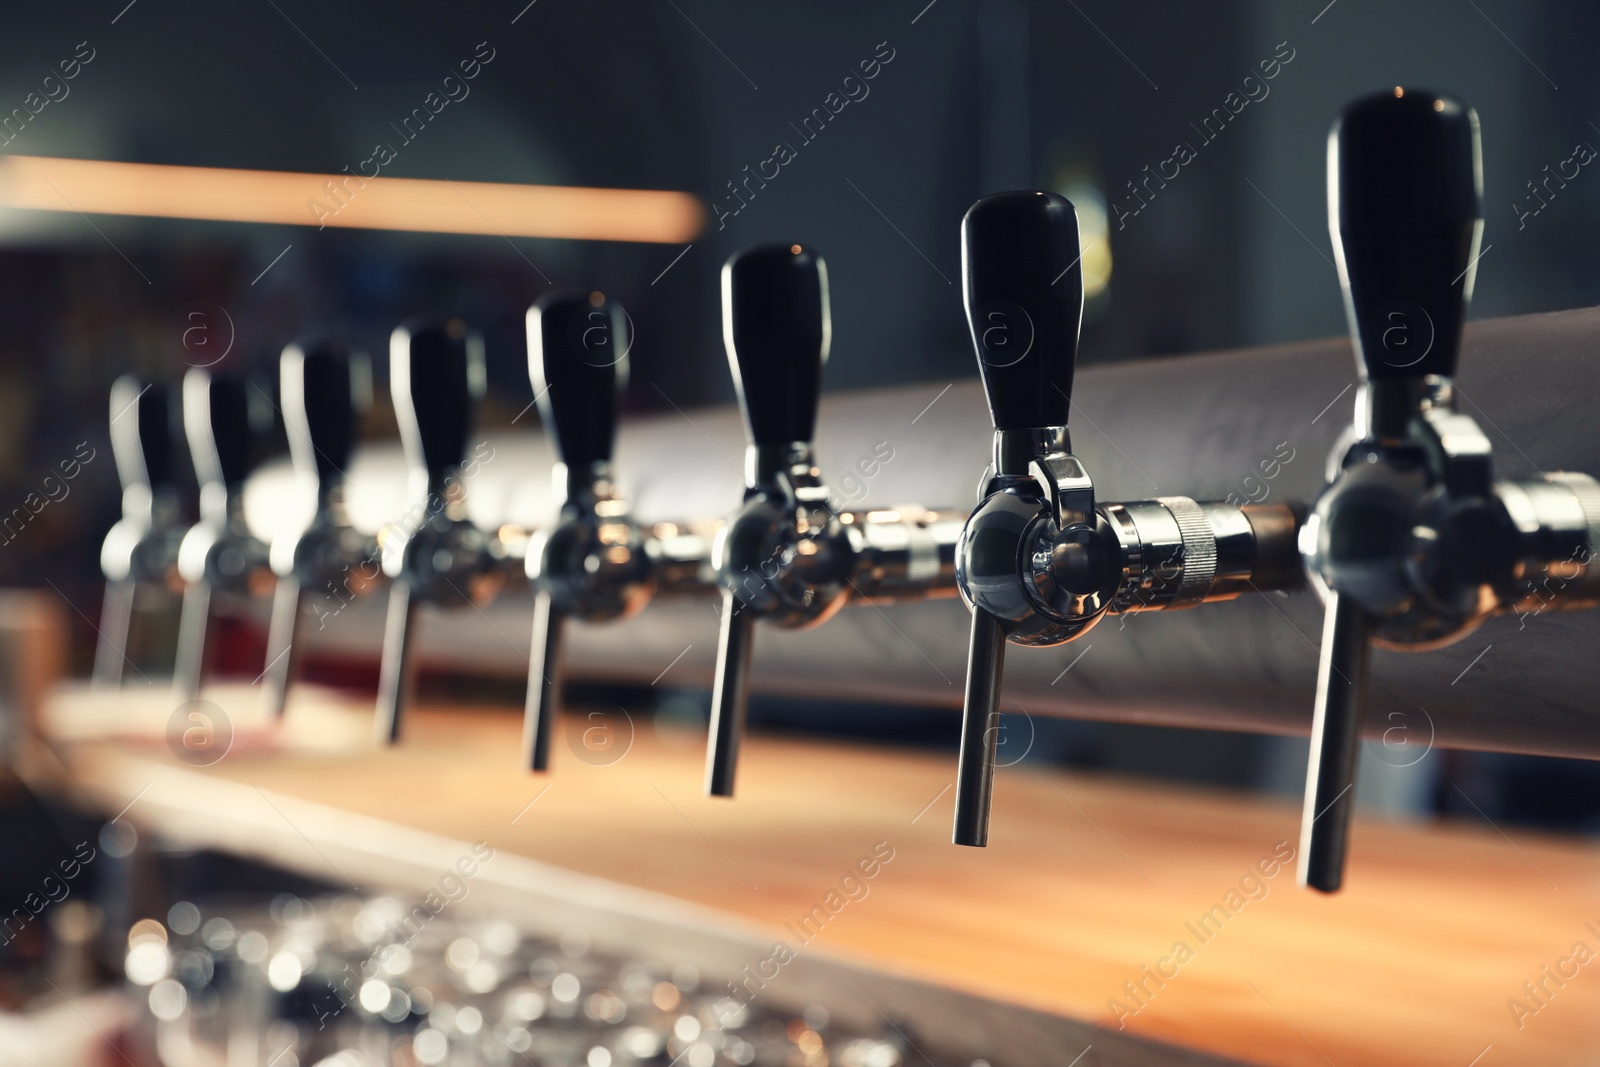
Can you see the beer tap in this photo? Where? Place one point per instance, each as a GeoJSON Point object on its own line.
{"type": "Point", "coordinates": [788, 556]}
{"type": "Point", "coordinates": [326, 388]}
{"type": "Point", "coordinates": [1041, 561]}
{"type": "Point", "coordinates": [1413, 545]}
{"type": "Point", "coordinates": [436, 556]}
{"type": "Point", "coordinates": [784, 555]}
{"type": "Point", "coordinates": [141, 550]}
{"type": "Point", "coordinates": [223, 421]}
{"type": "Point", "coordinates": [595, 563]}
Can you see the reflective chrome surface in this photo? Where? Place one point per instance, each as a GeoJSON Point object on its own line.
{"type": "Point", "coordinates": [785, 553]}
{"type": "Point", "coordinates": [594, 561]}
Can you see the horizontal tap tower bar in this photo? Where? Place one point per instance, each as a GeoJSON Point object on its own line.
{"type": "Point", "coordinates": [1248, 427]}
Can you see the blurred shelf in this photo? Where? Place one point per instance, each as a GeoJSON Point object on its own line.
{"type": "Point", "coordinates": [1011, 952]}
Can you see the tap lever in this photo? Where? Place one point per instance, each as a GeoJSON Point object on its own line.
{"type": "Point", "coordinates": [436, 377]}
{"type": "Point", "coordinates": [1022, 284]}
{"type": "Point", "coordinates": [1405, 188]}
{"type": "Point", "coordinates": [578, 363]}
{"type": "Point", "coordinates": [777, 329]}
{"type": "Point", "coordinates": [222, 425]}
{"type": "Point", "coordinates": [141, 438]}
{"type": "Point", "coordinates": [326, 386]}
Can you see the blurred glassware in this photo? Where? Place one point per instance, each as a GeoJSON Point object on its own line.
{"type": "Point", "coordinates": [344, 982]}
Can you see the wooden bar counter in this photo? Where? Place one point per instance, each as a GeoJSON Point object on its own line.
{"type": "Point", "coordinates": [1099, 901]}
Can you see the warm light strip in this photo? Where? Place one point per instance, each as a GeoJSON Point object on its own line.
{"type": "Point", "coordinates": [288, 198]}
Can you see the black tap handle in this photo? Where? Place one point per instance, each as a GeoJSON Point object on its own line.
{"type": "Point", "coordinates": [436, 378]}
{"type": "Point", "coordinates": [1022, 281]}
{"type": "Point", "coordinates": [578, 363]}
{"type": "Point", "coordinates": [1405, 211]}
{"type": "Point", "coordinates": [326, 387]}
{"type": "Point", "coordinates": [776, 327]}
{"type": "Point", "coordinates": [141, 432]}
{"type": "Point", "coordinates": [217, 419]}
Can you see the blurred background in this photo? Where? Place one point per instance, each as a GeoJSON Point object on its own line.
{"type": "Point", "coordinates": [1223, 245]}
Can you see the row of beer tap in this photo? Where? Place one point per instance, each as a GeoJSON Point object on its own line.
{"type": "Point", "coordinates": [1411, 545]}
